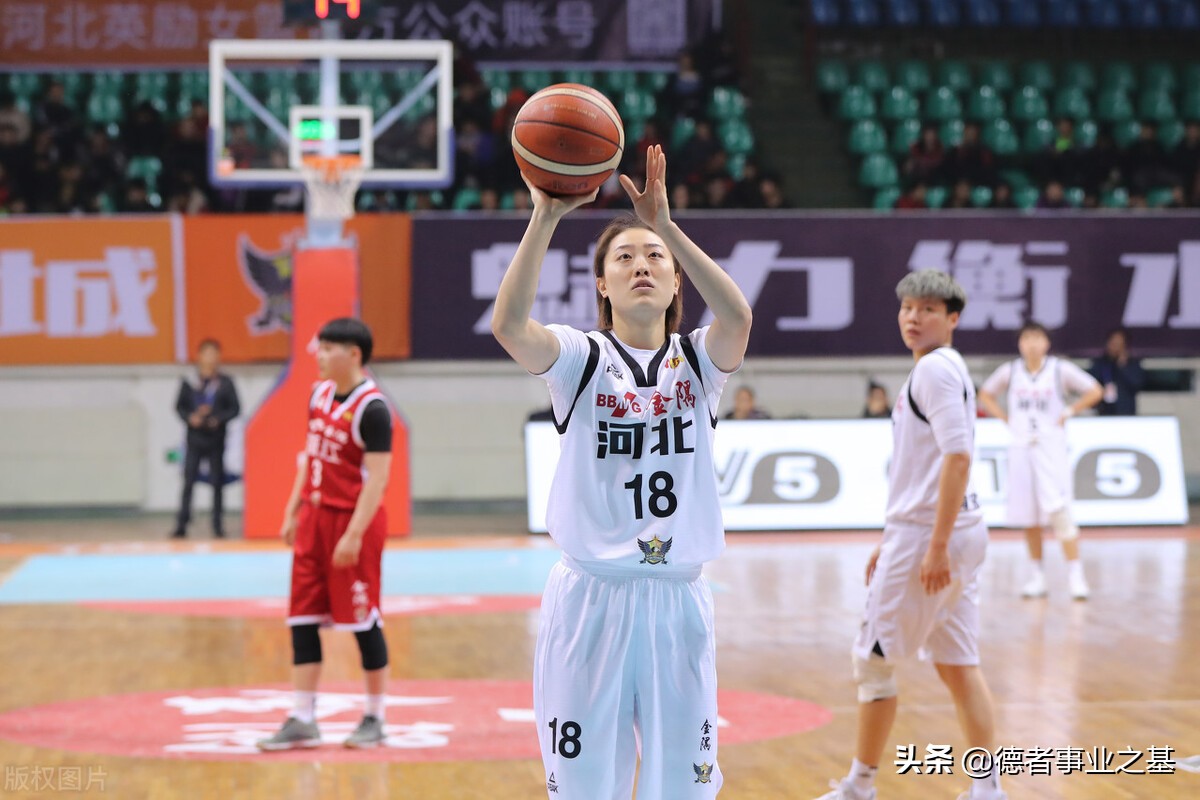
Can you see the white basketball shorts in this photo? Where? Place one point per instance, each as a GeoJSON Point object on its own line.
{"type": "Point", "coordinates": [1039, 483]}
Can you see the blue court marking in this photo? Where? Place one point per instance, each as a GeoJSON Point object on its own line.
{"type": "Point", "coordinates": [235, 576]}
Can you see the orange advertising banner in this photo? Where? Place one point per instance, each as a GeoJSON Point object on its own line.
{"type": "Point", "coordinates": [35, 33]}
{"type": "Point", "coordinates": [90, 291]}
{"type": "Point", "coordinates": [239, 282]}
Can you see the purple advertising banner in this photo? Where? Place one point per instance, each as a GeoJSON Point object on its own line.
{"type": "Point", "coordinates": [564, 31]}
{"type": "Point", "coordinates": [824, 285]}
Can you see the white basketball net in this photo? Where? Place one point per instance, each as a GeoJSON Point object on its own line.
{"type": "Point", "coordinates": [331, 184]}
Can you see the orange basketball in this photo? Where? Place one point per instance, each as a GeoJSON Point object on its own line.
{"type": "Point", "coordinates": [567, 139]}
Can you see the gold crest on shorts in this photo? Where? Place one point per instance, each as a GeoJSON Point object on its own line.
{"type": "Point", "coordinates": [654, 551]}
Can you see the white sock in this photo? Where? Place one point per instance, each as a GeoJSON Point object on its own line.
{"type": "Point", "coordinates": [862, 777]}
{"type": "Point", "coordinates": [304, 706]}
{"type": "Point", "coordinates": [1075, 568]}
{"type": "Point", "coordinates": [1037, 568]}
{"type": "Point", "coordinates": [375, 706]}
{"type": "Point", "coordinates": [988, 787]}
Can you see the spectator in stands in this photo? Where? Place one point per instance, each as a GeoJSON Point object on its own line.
{"type": "Point", "coordinates": [694, 156]}
{"type": "Point", "coordinates": [521, 200]}
{"type": "Point", "coordinates": [1062, 161]}
{"type": "Point", "coordinates": [744, 406]}
{"type": "Point", "coordinates": [103, 169]}
{"type": "Point", "coordinates": [187, 198]}
{"type": "Point", "coordinates": [926, 156]}
{"type": "Point", "coordinates": [1002, 197]}
{"type": "Point", "coordinates": [960, 196]}
{"type": "Point", "coordinates": [7, 190]}
{"type": "Point", "coordinates": [42, 188]}
{"type": "Point", "coordinates": [145, 134]}
{"type": "Point", "coordinates": [489, 200]}
{"type": "Point", "coordinates": [71, 197]}
{"type": "Point", "coordinates": [1102, 165]}
{"type": "Point", "coordinates": [716, 191]}
{"type": "Point", "coordinates": [747, 192]}
{"type": "Point", "coordinates": [188, 146]}
{"type": "Point", "coordinates": [681, 197]}
{"type": "Point", "coordinates": [471, 104]}
{"type": "Point", "coordinates": [913, 199]}
{"type": "Point", "coordinates": [17, 158]}
{"type": "Point", "coordinates": [243, 151]}
{"type": "Point", "coordinates": [475, 154]}
{"type": "Point", "coordinates": [53, 112]}
{"type": "Point", "coordinates": [1120, 374]}
{"type": "Point", "coordinates": [137, 197]}
{"type": "Point", "coordinates": [11, 115]}
{"type": "Point", "coordinates": [684, 96]}
{"type": "Point", "coordinates": [771, 187]}
{"type": "Point", "coordinates": [878, 406]}
{"type": "Point", "coordinates": [1053, 197]}
{"type": "Point", "coordinates": [971, 160]}
{"type": "Point", "coordinates": [1186, 161]}
{"type": "Point", "coordinates": [1148, 165]}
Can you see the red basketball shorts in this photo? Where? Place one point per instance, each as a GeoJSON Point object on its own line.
{"type": "Point", "coordinates": [344, 597]}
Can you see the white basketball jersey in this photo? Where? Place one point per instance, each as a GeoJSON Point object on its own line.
{"type": "Point", "coordinates": [635, 484]}
{"type": "Point", "coordinates": [934, 415]}
{"type": "Point", "coordinates": [1037, 400]}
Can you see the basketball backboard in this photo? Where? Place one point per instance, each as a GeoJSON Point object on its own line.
{"type": "Point", "coordinates": [272, 102]}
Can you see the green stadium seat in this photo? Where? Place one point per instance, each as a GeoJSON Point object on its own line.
{"type": "Point", "coordinates": [954, 74]}
{"type": "Point", "coordinates": [682, 132]}
{"type": "Point", "coordinates": [898, 103]}
{"type": "Point", "coordinates": [466, 198]}
{"type": "Point", "coordinates": [1115, 198]}
{"type": "Point", "coordinates": [1086, 131]}
{"type": "Point", "coordinates": [1078, 74]}
{"type": "Point", "coordinates": [935, 196]}
{"type": "Point", "coordinates": [1029, 104]}
{"type": "Point", "coordinates": [637, 104]}
{"type": "Point", "coordinates": [655, 81]}
{"type": "Point", "coordinates": [583, 76]}
{"type": "Point", "coordinates": [148, 83]}
{"type": "Point", "coordinates": [148, 168]}
{"type": "Point", "coordinates": [1114, 106]}
{"type": "Point", "coordinates": [1159, 75]}
{"type": "Point", "coordinates": [1190, 77]}
{"type": "Point", "coordinates": [885, 199]}
{"type": "Point", "coordinates": [914, 76]}
{"type": "Point", "coordinates": [1072, 102]}
{"type": "Point", "coordinates": [984, 104]}
{"type": "Point", "coordinates": [73, 84]}
{"type": "Point", "coordinates": [736, 165]}
{"type": "Point", "coordinates": [942, 104]}
{"type": "Point", "coordinates": [1160, 197]}
{"type": "Point", "coordinates": [1156, 105]}
{"type": "Point", "coordinates": [1038, 74]}
{"type": "Point", "coordinates": [1170, 133]}
{"type": "Point", "coordinates": [1074, 195]}
{"type": "Point", "coordinates": [736, 137]}
{"type": "Point", "coordinates": [951, 132]}
{"type": "Point", "coordinates": [878, 171]}
{"type": "Point", "coordinates": [25, 84]}
{"type": "Point", "coordinates": [532, 80]}
{"type": "Point", "coordinates": [904, 134]}
{"type": "Point", "coordinates": [620, 80]}
{"type": "Point", "coordinates": [1039, 136]}
{"type": "Point", "coordinates": [1190, 107]}
{"type": "Point", "coordinates": [873, 76]}
{"type": "Point", "coordinates": [1126, 132]}
{"type": "Point", "coordinates": [856, 103]}
{"type": "Point", "coordinates": [109, 82]}
{"type": "Point", "coordinates": [634, 130]}
{"type": "Point", "coordinates": [866, 136]}
{"type": "Point", "coordinates": [1026, 197]}
{"type": "Point", "coordinates": [104, 108]}
{"type": "Point", "coordinates": [998, 134]}
{"type": "Point", "coordinates": [981, 196]}
{"type": "Point", "coordinates": [1015, 178]}
{"type": "Point", "coordinates": [1118, 76]}
{"type": "Point", "coordinates": [995, 74]}
{"type": "Point", "coordinates": [497, 97]}
{"type": "Point", "coordinates": [496, 79]}
{"type": "Point", "coordinates": [832, 77]}
{"type": "Point", "coordinates": [725, 102]}
{"type": "Point", "coordinates": [193, 84]}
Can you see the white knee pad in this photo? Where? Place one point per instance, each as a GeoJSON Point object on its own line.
{"type": "Point", "coordinates": [1063, 526]}
{"type": "Point", "coordinates": [875, 679]}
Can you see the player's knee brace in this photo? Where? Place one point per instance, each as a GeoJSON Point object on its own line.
{"type": "Point", "coordinates": [306, 644]}
{"type": "Point", "coordinates": [1063, 526]}
{"type": "Point", "coordinates": [373, 648]}
{"type": "Point", "coordinates": [875, 679]}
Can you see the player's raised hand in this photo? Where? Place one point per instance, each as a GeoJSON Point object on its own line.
{"type": "Point", "coordinates": [651, 204]}
{"type": "Point", "coordinates": [935, 570]}
{"type": "Point", "coordinates": [554, 206]}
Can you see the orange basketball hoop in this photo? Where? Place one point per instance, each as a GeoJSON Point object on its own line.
{"type": "Point", "coordinates": [332, 182]}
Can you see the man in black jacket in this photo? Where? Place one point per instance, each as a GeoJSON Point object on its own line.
{"type": "Point", "coordinates": [207, 405]}
{"type": "Point", "coordinates": [1120, 374]}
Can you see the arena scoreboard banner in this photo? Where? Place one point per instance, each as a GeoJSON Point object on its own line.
{"type": "Point", "coordinates": [822, 475]}
{"type": "Point", "coordinates": [823, 284]}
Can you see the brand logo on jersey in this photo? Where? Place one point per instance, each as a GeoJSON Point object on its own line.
{"type": "Point", "coordinates": [616, 373]}
{"type": "Point", "coordinates": [672, 362]}
{"type": "Point", "coordinates": [551, 786]}
{"type": "Point", "coordinates": [654, 551]}
{"type": "Point", "coordinates": [703, 773]}
{"type": "Point", "coordinates": [620, 405]}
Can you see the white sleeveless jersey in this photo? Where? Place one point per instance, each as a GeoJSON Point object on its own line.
{"type": "Point", "coordinates": [934, 416]}
{"type": "Point", "coordinates": [635, 485]}
{"type": "Point", "coordinates": [1037, 400]}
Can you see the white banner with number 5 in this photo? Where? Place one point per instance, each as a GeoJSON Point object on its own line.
{"type": "Point", "coordinates": [826, 474]}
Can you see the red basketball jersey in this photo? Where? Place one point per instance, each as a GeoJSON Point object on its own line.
{"type": "Point", "coordinates": [335, 444]}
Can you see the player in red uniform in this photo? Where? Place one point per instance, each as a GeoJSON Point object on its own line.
{"type": "Point", "coordinates": [336, 527]}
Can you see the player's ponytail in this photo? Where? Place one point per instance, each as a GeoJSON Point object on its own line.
{"type": "Point", "coordinates": [674, 314]}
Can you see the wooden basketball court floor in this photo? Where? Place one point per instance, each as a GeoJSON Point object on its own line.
{"type": "Point", "coordinates": [137, 668]}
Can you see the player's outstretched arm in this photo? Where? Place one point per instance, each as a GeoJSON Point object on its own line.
{"type": "Point", "coordinates": [991, 405]}
{"type": "Point", "coordinates": [730, 331]}
{"type": "Point", "coordinates": [526, 339]}
{"type": "Point", "coordinates": [992, 388]}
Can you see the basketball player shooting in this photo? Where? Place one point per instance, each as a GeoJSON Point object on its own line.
{"type": "Point", "coordinates": [337, 527]}
{"type": "Point", "coordinates": [1039, 474]}
{"type": "Point", "coordinates": [922, 594]}
{"type": "Point", "coordinates": [625, 664]}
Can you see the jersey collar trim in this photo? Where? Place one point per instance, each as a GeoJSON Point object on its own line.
{"type": "Point", "coordinates": [649, 378]}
